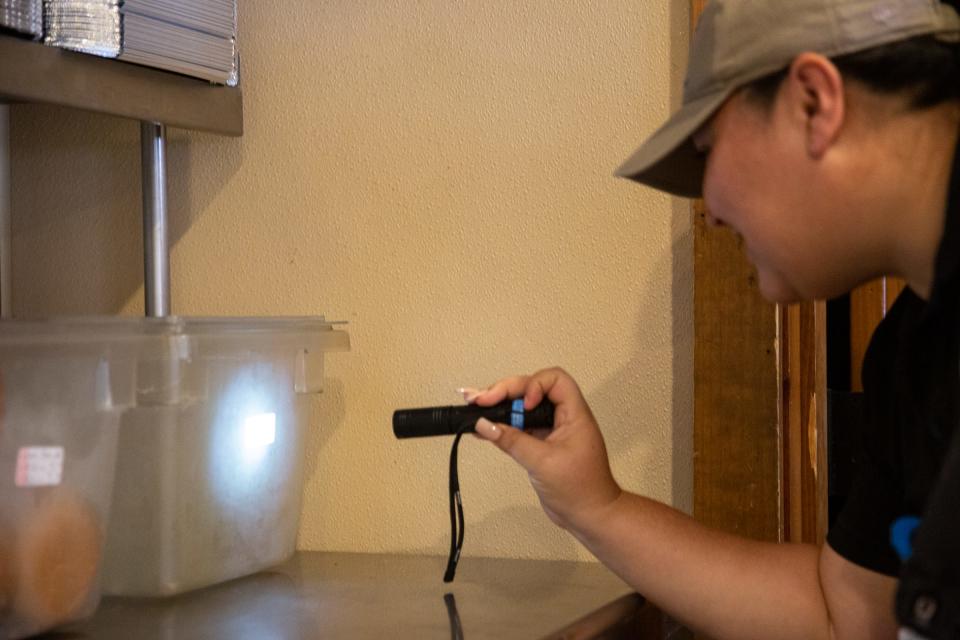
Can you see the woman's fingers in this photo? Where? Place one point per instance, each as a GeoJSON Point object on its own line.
{"type": "Point", "coordinates": [559, 387]}
{"type": "Point", "coordinates": [553, 383]}
{"type": "Point", "coordinates": [520, 446]}
{"type": "Point", "coordinates": [501, 390]}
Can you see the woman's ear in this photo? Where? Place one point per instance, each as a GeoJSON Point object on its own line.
{"type": "Point", "coordinates": [816, 97]}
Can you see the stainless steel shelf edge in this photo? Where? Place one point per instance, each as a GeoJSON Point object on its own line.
{"type": "Point", "coordinates": [34, 73]}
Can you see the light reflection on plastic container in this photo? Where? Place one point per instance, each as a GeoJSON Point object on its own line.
{"type": "Point", "coordinates": [258, 433]}
{"type": "Point", "coordinates": [247, 428]}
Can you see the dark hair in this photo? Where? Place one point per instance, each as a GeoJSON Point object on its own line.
{"type": "Point", "coordinates": [923, 69]}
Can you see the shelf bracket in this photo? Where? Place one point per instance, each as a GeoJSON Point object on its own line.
{"type": "Point", "coordinates": [156, 248]}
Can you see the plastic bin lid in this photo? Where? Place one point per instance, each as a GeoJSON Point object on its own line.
{"type": "Point", "coordinates": [113, 330]}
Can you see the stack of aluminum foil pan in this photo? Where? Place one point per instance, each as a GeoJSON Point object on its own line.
{"type": "Point", "coordinates": [90, 26]}
{"type": "Point", "coordinates": [192, 37]}
{"type": "Point", "coordinates": [25, 16]}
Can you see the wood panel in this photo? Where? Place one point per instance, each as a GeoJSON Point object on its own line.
{"type": "Point", "coordinates": [804, 395]}
{"type": "Point", "coordinates": [895, 287]}
{"type": "Point", "coordinates": [868, 305]}
{"type": "Point", "coordinates": [737, 435]}
{"type": "Point", "coordinates": [866, 310]}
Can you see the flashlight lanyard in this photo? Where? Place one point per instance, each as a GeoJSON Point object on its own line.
{"type": "Point", "coordinates": [456, 509]}
{"type": "Point", "coordinates": [517, 421]}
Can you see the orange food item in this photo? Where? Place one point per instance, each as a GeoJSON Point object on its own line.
{"type": "Point", "coordinates": [58, 556]}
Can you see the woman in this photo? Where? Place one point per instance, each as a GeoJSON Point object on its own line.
{"type": "Point", "coordinates": [825, 133]}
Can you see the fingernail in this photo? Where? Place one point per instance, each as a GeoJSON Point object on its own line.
{"type": "Point", "coordinates": [487, 429]}
{"type": "Point", "coordinates": [469, 393]}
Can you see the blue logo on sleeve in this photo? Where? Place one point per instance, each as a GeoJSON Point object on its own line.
{"type": "Point", "coordinates": [901, 535]}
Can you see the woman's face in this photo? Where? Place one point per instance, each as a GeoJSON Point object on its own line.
{"type": "Point", "coordinates": [762, 183]}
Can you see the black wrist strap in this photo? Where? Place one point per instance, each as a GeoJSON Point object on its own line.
{"type": "Point", "coordinates": [456, 510]}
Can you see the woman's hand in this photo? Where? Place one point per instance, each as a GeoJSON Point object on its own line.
{"type": "Point", "coordinates": [568, 468]}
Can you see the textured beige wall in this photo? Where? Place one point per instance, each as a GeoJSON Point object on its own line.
{"type": "Point", "coordinates": [438, 174]}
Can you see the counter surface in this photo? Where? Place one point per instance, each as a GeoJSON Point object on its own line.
{"type": "Point", "coordinates": [358, 596]}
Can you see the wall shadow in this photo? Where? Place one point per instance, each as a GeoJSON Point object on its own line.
{"type": "Point", "coordinates": [77, 205]}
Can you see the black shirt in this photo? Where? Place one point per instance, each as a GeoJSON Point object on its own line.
{"type": "Point", "coordinates": [911, 379]}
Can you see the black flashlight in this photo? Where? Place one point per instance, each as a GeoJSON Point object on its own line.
{"type": "Point", "coordinates": [448, 421]}
{"type": "Point", "coordinates": [456, 421]}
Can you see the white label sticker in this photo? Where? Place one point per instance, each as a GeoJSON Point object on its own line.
{"type": "Point", "coordinates": [39, 467]}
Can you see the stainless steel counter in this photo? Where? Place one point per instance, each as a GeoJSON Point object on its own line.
{"type": "Point", "coordinates": [342, 595]}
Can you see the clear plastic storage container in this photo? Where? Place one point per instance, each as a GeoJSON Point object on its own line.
{"type": "Point", "coordinates": [63, 385]}
{"type": "Point", "coordinates": [209, 474]}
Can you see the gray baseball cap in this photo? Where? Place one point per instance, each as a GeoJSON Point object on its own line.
{"type": "Point", "coordinates": [739, 41]}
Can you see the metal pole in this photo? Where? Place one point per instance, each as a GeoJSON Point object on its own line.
{"type": "Point", "coordinates": [156, 249]}
{"type": "Point", "coordinates": [6, 261]}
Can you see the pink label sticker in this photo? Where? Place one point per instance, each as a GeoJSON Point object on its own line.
{"type": "Point", "coordinates": [39, 467]}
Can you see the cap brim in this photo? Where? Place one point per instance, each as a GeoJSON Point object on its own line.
{"type": "Point", "coordinates": [668, 160]}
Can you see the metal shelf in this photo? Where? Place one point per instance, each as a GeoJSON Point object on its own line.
{"type": "Point", "coordinates": [33, 73]}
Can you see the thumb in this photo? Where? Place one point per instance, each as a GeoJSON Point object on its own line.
{"type": "Point", "coordinates": [520, 446]}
